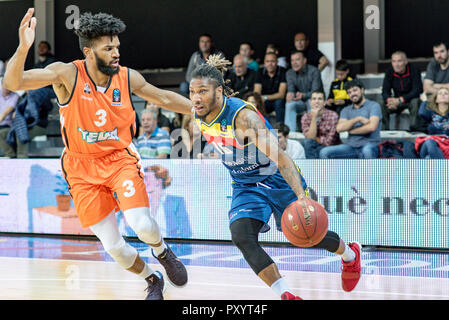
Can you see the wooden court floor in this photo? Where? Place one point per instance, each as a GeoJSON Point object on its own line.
{"type": "Point", "coordinates": [59, 279]}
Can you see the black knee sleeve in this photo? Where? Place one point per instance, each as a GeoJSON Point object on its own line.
{"type": "Point", "coordinates": [245, 235]}
{"type": "Point", "coordinates": [330, 242]}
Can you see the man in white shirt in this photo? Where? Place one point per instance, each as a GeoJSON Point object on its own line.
{"type": "Point", "coordinates": [292, 147]}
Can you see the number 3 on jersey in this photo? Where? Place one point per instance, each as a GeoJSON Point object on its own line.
{"type": "Point", "coordinates": [101, 117]}
{"type": "Point", "coordinates": [129, 186]}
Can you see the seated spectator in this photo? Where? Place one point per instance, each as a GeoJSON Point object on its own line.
{"type": "Point", "coordinates": [31, 117]}
{"type": "Point", "coordinates": [282, 61]}
{"type": "Point", "coordinates": [271, 83]}
{"type": "Point", "coordinates": [8, 102]}
{"type": "Point", "coordinates": [437, 72]}
{"type": "Point", "coordinates": [401, 88]}
{"type": "Point", "coordinates": [319, 127]}
{"type": "Point", "coordinates": [30, 120]}
{"type": "Point", "coordinates": [206, 48]}
{"type": "Point", "coordinates": [314, 56]}
{"type": "Point", "coordinates": [247, 50]}
{"type": "Point", "coordinates": [302, 80]}
{"type": "Point", "coordinates": [256, 100]}
{"type": "Point", "coordinates": [44, 55]}
{"type": "Point", "coordinates": [338, 97]}
{"type": "Point", "coordinates": [154, 142]}
{"type": "Point", "coordinates": [241, 78]}
{"type": "Point", "coordinates": [435, 112]}
{"type": "Point", "coordinates": [190, 142]}
{"type": "Point", "coordinates": [361, 120]}
{"type": "Point", "coordinates": [176, 122]}
{"type": "Point", "coordinates": [293, 148]}
{"type": "Point", "coordinates": [162, 121]}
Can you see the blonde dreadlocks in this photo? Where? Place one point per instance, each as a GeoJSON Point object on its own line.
{"type": "Point", "coordinates": [214, 69]}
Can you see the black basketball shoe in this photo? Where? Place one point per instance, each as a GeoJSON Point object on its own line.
{"type": "Point", "coordinates": [175, 269]}
{"type": "Point", "coordinates": [155, 286]}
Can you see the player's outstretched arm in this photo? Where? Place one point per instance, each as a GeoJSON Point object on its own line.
{"type": "Point", "coordinates": [164, 98]}
{"type": "Point", "coordinates": [249, 126]}
{"type": "Point", "coordinates": [15, 77]}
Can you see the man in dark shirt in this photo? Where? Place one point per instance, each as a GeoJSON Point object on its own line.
{"type": "Point", "coordinates": [401, 88]}
{"type": "Point", "coordinates": [302, 80]}
{"type": "Point", "coordinates": [271, 83]}
{"type": "Point", "coordinates": [205, 49]}
{"type": "Point", "coordinates": [242, 78]}
{"type": "Point", "coordinates": [437, 72]}
{"type": "Point", "coordinates": [45, 55]}
{"type": "Point", "coordinates": [314, 56]}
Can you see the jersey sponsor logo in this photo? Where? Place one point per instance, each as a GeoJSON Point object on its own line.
{"type": "Point", "coordinates": [98, 136]}
{"type": "Point", "coordinates": [86, 88]}
{"type": "Point", "coordinates": [116, 97]}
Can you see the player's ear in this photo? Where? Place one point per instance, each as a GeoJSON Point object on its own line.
{"type": "Point", "coordinates": [219, 90]}
{"type": "Point", "coordinates": [87, 52]}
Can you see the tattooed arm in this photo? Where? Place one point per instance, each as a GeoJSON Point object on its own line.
{"type": "Point", "coordinates": [249, 126]}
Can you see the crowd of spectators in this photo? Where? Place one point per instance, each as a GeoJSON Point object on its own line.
{"type": "Point", "coordinates": [288, 91]}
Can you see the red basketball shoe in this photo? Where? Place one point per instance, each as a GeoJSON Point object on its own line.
{"type": "Point", "coordinates": [288, 296]}
{"type": "Point", "coordinates": [351, 271]}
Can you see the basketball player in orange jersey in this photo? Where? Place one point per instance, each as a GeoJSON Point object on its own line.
{"type": "Point", "coordinates": [100, 163]}
{"type": "Point", "coordinates": [265, 180]}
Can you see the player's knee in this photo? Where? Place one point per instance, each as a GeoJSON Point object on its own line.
{"type": "Point", "coordinates": [143, 224]}
{"type": "Point", "coordinates": [122, 253]}
{"type": "Point", "coordinates": [245, 242]}
{"type": "Point", "coordinates": [330, 242]}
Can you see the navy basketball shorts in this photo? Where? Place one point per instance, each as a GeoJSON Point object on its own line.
{"type": "Point", "coordinates": [261, 199]}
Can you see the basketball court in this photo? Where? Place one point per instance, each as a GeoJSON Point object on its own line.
{"type": "Point", "coordinates": [42, 268]}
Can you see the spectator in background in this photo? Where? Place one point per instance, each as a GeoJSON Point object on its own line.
{"type": "Point", "coordinates": [154, 142]}
{"type": "Point", "coordinates": [241, 78]}
{"type": "Point", "coordinates": [435, 112]}
{"type": "Point", "coordinates": [256, 100]}
{"type": "Point", "coordinates": [190, 143]}
{"type": "Point", "coordinates": [401, 88]}
{"type": "Point", "coordinates": [314, 56]}
{"type": "Point", "coordinates": [206, 48]}
{"type": "Point", "coordinates": [30, 120]}
{"type": "Point", "coordinates": [361, 120]}
{"type": "Point", "coordinates": [8, 102]}
{"type": "Point", "coordinates": [302, 80]}
{"type": "Point", "coordinates": [271, 83]}
{"type": "Point", "coordinates": [293, 148]}
{"type": "Point", "coordinates": [437, 72]}
{"type": "Point", "coordinates": [282, 61]}
{"type": "Point", "coordinates": [338, 97]}
{"type": "Point", "coordinates": [31, 117]}
{"type": "Point", "coordinates": [44, 55]}
{"type": "Point", "coordinates": [162, 121]}
{"type": "Point", "coordinates": [319, 127]}
{"type": "Point", "coordinates": [247, 50]}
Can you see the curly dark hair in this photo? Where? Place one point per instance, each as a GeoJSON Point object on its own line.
{"type": "Point", "coordinates": [98, 25]}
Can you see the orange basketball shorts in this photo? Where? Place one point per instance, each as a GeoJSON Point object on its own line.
{"type": "Point", "coordinates": [103, 184]}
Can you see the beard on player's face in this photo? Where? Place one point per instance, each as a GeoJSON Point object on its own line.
{"type": "Point", "coordinates": [105, 67]}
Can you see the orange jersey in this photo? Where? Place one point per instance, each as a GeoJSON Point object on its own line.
{"type": "Point", "coordinates": [95, 122]}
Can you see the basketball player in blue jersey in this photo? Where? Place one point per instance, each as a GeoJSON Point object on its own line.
{"type": "Point", "coordinates": [265, 179]}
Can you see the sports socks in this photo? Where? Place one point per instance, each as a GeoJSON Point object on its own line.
{"type": "Point", "coordinates": [348, 255]}
{"type": "Point", "coordinates": [280, 286]}
{"type": "Point", "coordinates": [158, 250]}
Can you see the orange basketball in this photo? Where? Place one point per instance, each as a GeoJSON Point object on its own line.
{"type": "Point", "coordinates": [304, 223]}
